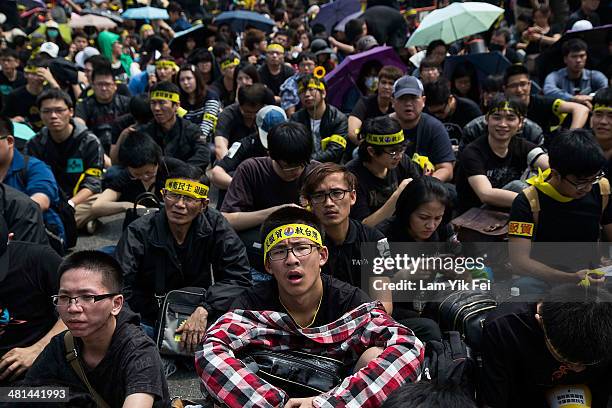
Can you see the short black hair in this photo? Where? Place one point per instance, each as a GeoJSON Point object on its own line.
{"type": "Point", "coordinates": [166, 86]}
{"type": "Point", "coordinates": [515, 69]}
{"type": "Point", "coordinates": [140, 108]}
{"type": "Point", "coordinates": [187, 171]}
{"type": "Point", "coordinates": [353, 29]}
{"type": "Point", "coordinates": [603, 97]}
{"type": "Point", "coordinates": [428, 62]}
{"type": "Point", "coordinates": [174, 7]}
{"type": "Point", "coordinates": [305, 56]}
{"type": "Point", "coordinates": [429, 395]}
{"type": "Point", "coordinates": [493, 83]}
{"type": "Point", "coordinates": [139, 149]}
{"type": "Point", "coordinates": [500, 100]}
{"type": "Point", "coordinates": [433, 45]}
{"type": "Point", "coordinates": [95, 261]}
{"type": "Point", "coordinates": [382, 125]}
{"type": "Point", "coordinates": [54, 93]}
{"type": "Point", "coordinates": [576, 152]}
{"type": "Point", "coordinates": [578, 322]}
{"type": "Point", "coordinates": [96, 60]}
{"type": "Point", "coordinates": [437, 92]}
{"type": "Point", "coordinates": [505, 32]}
{"type": "Point", "coordinates": [291, 143]}
{"type": "Point", "coordinates": [9, 52]}
{"type": "Point", "coordinates": [102, 69]}
{"type": "Point", "coordinates": [290, 215]}
{"type": "Point", "coordinates": [573, 45]}
{"type": "Point", "coordinates": [6, 126]}
{"type": "Point", "coordinates": [255, 95]}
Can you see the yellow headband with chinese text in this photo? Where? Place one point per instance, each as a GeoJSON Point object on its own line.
{"type": "Point", "coordinates": [31, 69]}
{"type": "Point", "coordinates": [291, 231]}
{"type": "Point", "coordinates": [603, 108]}
{"type": "Point", "coordinates": [505, 107]}
{"type": "Point", "coordinates": [166, 96]}
{"type": "Point", "coordinates": [166, 64]}
{"type": "Point", "coordinates": [384, 140]}
{"type": "Point", "coordinates": [230, 63]}
{"type": "Point", "coordinates": [187, 187]}
{"type": "Point", "coordinates": [276, 47]}
{"type": "Point", "coordinates": [312, 84]}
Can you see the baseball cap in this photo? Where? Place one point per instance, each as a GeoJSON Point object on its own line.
{"type": "Point", "coordinates": [407, 85]}
{"type": "Point", "coordinates": [52, 24]}
{"type": "Point", "coordinates": [82, 56]}
{"type": "Point", "coordinates": [366, 42]}
{"type": "Point", "coordinates": [50, 48]}
{"type": "Point", "coordinates": [268, 117]}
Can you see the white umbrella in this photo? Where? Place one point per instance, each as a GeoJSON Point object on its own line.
{"type": "Point", "coordinates": [77, 21]}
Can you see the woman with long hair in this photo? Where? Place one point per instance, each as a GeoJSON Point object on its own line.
{"type": "Point", "coordinates": [244, 75]}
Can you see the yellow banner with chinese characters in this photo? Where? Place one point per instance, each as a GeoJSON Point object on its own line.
{"type": "Point", "coordinates": [187, 187]}
{"type": "Point", "coordinates": [291, 231]}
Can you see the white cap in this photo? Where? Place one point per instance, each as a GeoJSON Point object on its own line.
{"type": "Point", "coordinates": [52, 24]}
{"type": "Point", "coordinates": [268, 117]}
{"type": "Point", "coordinates": [582, 25]}
{"type": "Point", "coordinates": [50, 48]}
{"type": "Point", "coordinates": [82, 56]}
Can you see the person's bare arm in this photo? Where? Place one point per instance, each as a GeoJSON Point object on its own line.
{"type": "Point", "coordinates": [139, 400]}
{"type": "Point", "coordinates": [519, 250]}
{"type": "Point", "coordinates": [42, 200]}
{"type": "Point", "coordinates": [220, 178]}
{"type": "Point", "coordinates": [221, 147]}
{"type": "Point", "coordinates": [580, 113]}
{"type": "Point", "coordinates": [81, 196]}
{"type": "Point", "coordinates": [387, 209]}
{"type": "Point", "coordinates": [496, 197]}
{"type": "Point", "coordinates": [107, 204]}
{"type": "Point", "coordinates": [443, 171]}
{"type": "Point", "coordinates": [354, 123]}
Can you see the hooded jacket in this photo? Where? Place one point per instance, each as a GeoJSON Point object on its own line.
{"type": "Point", "coordinates": [333, 122]}
{"type": "Point", "coordinates": [106, 40]}
{"type": "Point", "coordinates": [76, 163]}
{"type": "Point", "coordinates": [147, 253]}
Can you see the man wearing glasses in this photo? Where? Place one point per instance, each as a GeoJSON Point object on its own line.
{"type": "Point", "coordinates": [567, 203]}
{"type": "Point", "coordinates": [300, 309]}
{"type": "Point", "coordinates": [120, 362]}
{"type": "Point", "coordinates": [535, 353]}
{"type": "Point", "coordinates": [424, 134]}
{"type": "Point", "coordinates": [179, 247]}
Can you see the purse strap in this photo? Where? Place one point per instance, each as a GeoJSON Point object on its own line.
{"type": "Point", "coordinates": [73, 360]}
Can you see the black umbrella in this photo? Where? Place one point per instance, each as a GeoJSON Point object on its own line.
{"type": "Point", "coordinates": [103, 13]}
{"type": "Point", "coordinates": [198, 32]}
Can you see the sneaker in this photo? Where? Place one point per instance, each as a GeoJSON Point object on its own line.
{"type": "Point", "coordinates": [92, 226]}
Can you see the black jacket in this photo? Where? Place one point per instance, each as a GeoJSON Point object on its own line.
{"type": "Point", "coordinates": [22, 215]}
{"type": "Point", "coordinates": [100, 117]}
{"type": "Point", "coordinates": [147, 250]}
{"type": "Point", "coordinates": [333, 122]}
{"type": "Point", "coordinates": [71, 159]}
{"type": "Point", "coordinates": [184, 142]}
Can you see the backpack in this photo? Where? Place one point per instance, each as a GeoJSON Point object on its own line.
{"type": "Point", "coordinates": [449, 361]}
{"type": "Point", "coordinates": [65, 212]}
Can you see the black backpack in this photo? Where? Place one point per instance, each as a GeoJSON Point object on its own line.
{"type": "Point", "coordinates": [449, 361]}
{"type": "Point", "coordinates": [65, 212]}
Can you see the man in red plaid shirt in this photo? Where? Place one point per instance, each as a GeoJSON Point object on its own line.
{"type": "Point", "coordinates": [300, 309]}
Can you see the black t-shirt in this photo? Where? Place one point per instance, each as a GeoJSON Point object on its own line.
{"type": "Point", "coordinates": [575, 221]}
{"type": "Point", "coordinates": [231, 124]}
{"type": "Point", "coordinates": [256, 186]}
{"type": "Point", "coordinates": [540, 110]}
{"type": "Point", "coordinates": [367, 107]}
{"type": "Point", "coordinates": [225, 96]}
{"type": "Point", "coordinates": [373, 192]}
{"type": "Point", "coordinates": [22, 103]}
{"type": "Point", "coordinates": [429, 138]}
{"type": "Point", "coordinates": [131, 365]}
{"type": "Point", "coordinates": [465, 111]}
{"type": "Point", "coordinates": [344, 260]}
{"type": "Point", "coordinates": [245, 148]}
{"type": "Point", "coordinates": [7, 86]}
{"type": "Point", "coordinates": [274, 82]}
{"type": "Point", "coordinates": [518, 368]}
{"type": "Point", "coordinates": [26, 293]}
{"type": "Point", "coordinates": [338, 298]}
{"type": "Point", "coordinates": [478, 159]}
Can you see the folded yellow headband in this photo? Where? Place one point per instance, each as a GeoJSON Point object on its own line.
{"type": "Point", "coordinates": [166, 64]}
{"type": "Point", "coordinates": [187, 187]}
{"type": "Point", "coordinates": [505, 108]}
{"type": "Point", "coordinates": [600, 107]}
{"type": "Point", "coordinates": [383, 140]}
{"type": "Point", "coordinates": [423, 162]}
{"type": "Point", "coordinates": [31, 69]}
{"type": "Point", "coordinates": [291, 231]}
{"type": "Point", "coordinates": [312, 84]}
{"type": "Point", "coordinates": [276, 47]}
{"type": "Point", "coordinates": [166, 96]}
{"type": "Point", "coordinates": [230, 63]}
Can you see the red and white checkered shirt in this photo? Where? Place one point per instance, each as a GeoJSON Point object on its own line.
{"type": "Point", "coordinates": [229, 381]}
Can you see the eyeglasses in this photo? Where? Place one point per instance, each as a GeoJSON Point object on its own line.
{"type": "Point", "coordinates": [335, 195]}
{"type": "Point", "coordinates": [143, 176]}
{"type": "Point", "coordinates": [585, 184]}
{"type": "Point", "coordinates": [395, 152]}
{"type": "Point", "coordinates": [562, 359]}
{"type": "Point", "coordinates": [175, 198]}
{"type": "Point", "coordinates": [82, 300]}
{"type": "Point", "coordinates": [104, 84]}
{"type": "Point", "coordinates": [522, 84]}
{"type": "Point", "coordinates": [57, 111]}
{"type": "Point", "coordinates": [299, 251]}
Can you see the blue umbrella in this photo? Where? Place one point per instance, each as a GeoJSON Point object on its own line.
{"type": "Point", "coordinates": [238, 20]}
{"type": "Point", "coordinates": [331, 13]}
{"type": "Point", "coordinates": [146, 13]}
{"type": "Point", "coordinates": [487, 63]}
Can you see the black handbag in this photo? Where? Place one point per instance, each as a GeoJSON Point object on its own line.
{"type": "Point", "coordinates": [132, 214]}
{"type": "Point", "coordinates": [299, 374]}
{"type": "Point", "coordinates": [462, 311]}
{"type": "Point", "coordinates": [176, 307]}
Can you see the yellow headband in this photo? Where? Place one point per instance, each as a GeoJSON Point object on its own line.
{"type": "Point", "coordinates": [384, 140]}
{"type": "Point", "coordinates": [229, 63]}
{"type": "Point", "coordinates": [187, 187]}
{"type": "Point", "coordinates": [313, 83]}
{"type": "Point", "coordinates": [505, 108]}
{"type": "Point", "coordinates": [600, 107]}
{"type": "Point", "coordinates": [290, 231]}
{"type": "Point", "coordinates": [165, 96]}
{"type": "Point", "coordinates": [423, 162]}
{"type": "Point", "coordinates": [30, 69]}
{"type": "Point", "coordinates": [275, 47]}
{"type": "Point", "coordinates": [166, 64]}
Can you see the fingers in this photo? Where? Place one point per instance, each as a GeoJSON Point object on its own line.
{"type": "Point", "coordinates": [12, 368]}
